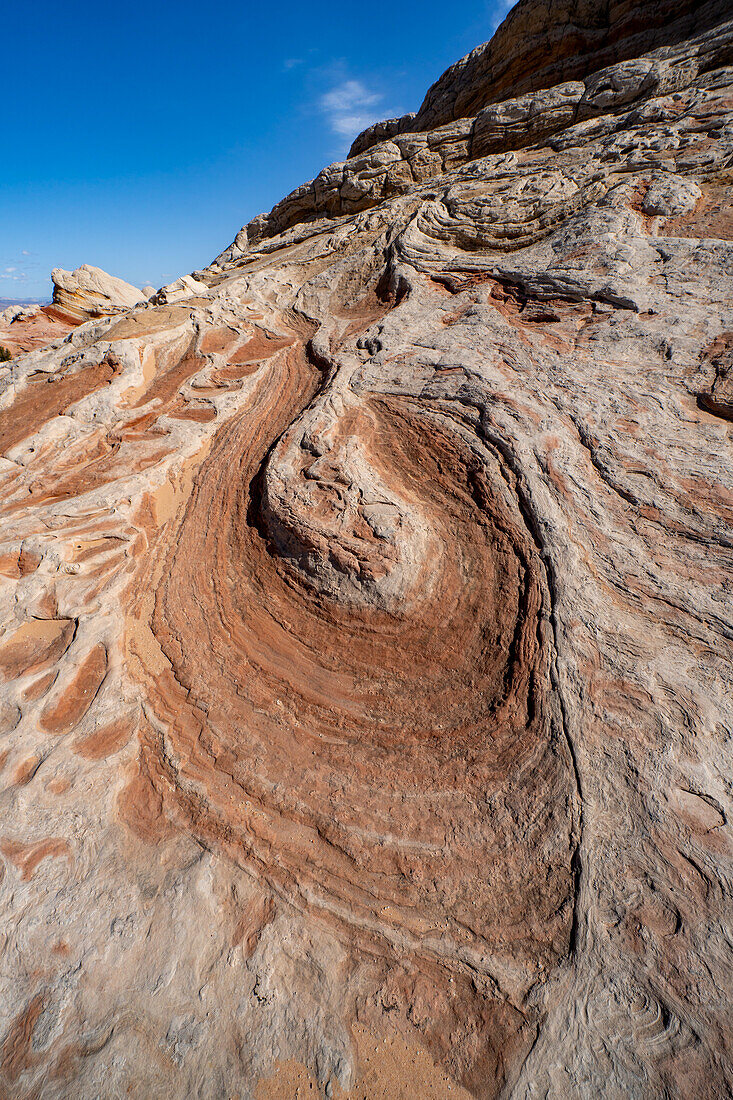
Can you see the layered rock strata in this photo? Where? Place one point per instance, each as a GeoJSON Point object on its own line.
{"type": "Point", "coordinates": [365, 676]}
{"type": "Point", "coordinates": [545, 45]}
{"type": "Point", "coordinates": [88, 292]}
{"type": "Point", "coordinates": [78, 296]}
{"type": "Point", "coordinates": [25, 328]}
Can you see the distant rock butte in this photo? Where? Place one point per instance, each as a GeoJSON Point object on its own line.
{"type": "Point", "coordinates": [90, 292]}
{"type": "Point", "coordinates": [365, 697]}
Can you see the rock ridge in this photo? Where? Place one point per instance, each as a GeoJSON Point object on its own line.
{"type": "Point", "coordinates": [541, 45]}
{"type": "Point", "coordinates": [400, 160]}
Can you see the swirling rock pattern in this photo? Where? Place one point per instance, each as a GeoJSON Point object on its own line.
{"type": "Point", "coordinates": [365, 709]}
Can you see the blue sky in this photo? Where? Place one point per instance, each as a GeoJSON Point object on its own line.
{"type": "Point", "coordinates": [142, 136]}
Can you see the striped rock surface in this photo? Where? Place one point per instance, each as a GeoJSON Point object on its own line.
{"type": "Point", "coordinates": [368, 619]}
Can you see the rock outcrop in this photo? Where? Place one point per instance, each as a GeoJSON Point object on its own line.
{"type": "Point", "coordinates": [15, 313]}
{"type": "Point", "coordinates": [185, 287]}
{"type": "Point", "coordinates": [388, 160]}
{"type": "Point", "coordinates": [25, 328]}
{"type": "Point", "coordinates": [90, 292]}
{"type": "Point", "coordinates": [366, 677]}
{"type": "Point", "coordinates": [547, 44]}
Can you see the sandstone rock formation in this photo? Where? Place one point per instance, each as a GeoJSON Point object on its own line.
{"type": "Point", "coordinates": [19, 312]}
{"type": "Point", "coordinates": [25, 328]}
{"type": "Point", "coordinates": [366, 707]}
{"type": "Point", "coordinates": [90, 292]}
{"type": "Point", "coordinates": [185, 287]}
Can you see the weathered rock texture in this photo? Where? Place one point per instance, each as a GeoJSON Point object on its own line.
{"type": "Point", "coordinates": [369, 615]}
{"type": "Point", "coordinates": [90, 292]}
{"type": "Point", "coordinates": [25, 328]}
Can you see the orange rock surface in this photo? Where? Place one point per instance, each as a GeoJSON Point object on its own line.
{"type": "Point", "coordinates": [33, 330]}
{"type": "Point", "coordinates": [365, 712]}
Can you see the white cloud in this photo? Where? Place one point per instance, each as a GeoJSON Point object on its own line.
{"type": "Point", "coordinates": [498, 10]}
{"type": "Point", "coordinates": [20, 270]}
{"type": "Point", "coordinates": [350, 107]}
{"type": "Point", "coordinates": [16, 271]}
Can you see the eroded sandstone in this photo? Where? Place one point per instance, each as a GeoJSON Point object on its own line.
{"type": "Point", "coordinates": [26, 328]}
{"type": "Point", "coordinates": [90, 292]}
{"type": "Point", "coordinates": [365, 706]}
